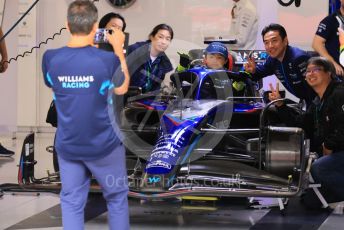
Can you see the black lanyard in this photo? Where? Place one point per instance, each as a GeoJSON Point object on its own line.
{"type": "Point", "coordinates": [150, 69]}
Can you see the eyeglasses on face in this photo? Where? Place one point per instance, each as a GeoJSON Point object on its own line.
{"type": "Point", "coordinates": [313, 70]}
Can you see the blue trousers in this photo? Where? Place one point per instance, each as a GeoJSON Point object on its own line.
{"type": "Point", "coordinates": [111, 174]}
{"type": "Point", "coordinates": [329, 172]}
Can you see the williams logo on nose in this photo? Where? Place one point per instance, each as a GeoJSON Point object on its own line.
{"type": "Point", "coordinates": [152, 180]}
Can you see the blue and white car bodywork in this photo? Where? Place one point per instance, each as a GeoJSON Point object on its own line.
{"type": "Point", "coordinates": [208, 139]}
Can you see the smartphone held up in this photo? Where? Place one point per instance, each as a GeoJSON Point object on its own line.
{"type": "Point", "coordinates": [101, 36]}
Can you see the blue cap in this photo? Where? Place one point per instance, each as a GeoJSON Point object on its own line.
{"type": "Point", "coordinates": [217, 48]}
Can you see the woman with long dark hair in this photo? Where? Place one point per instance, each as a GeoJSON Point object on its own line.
{"type": "Point", "coordinates": [147, 61]}
{"type": "Point", "coordinates": [110, 21]}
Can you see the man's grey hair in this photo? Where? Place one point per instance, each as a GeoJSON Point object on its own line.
{"type": "Point", "coordinates": [325, 64]}
{"type": "Point", "coordinates": [81, 17]}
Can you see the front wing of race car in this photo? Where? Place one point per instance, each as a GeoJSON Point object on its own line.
{"type": "Point", "coordinates": [180, 163]}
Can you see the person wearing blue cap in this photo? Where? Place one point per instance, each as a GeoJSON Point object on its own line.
{"type": "Point", "coordinates": [216, 56]}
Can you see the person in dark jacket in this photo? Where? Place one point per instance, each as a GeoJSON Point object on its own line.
{"type": "Point", "coordinates": [324, 125]}
{"type": "Point", "coordinates": [147, 61]}
{"type": "Point", "coordinates": [110, 21]}
{"type": "Point", "coordinates": [286, 62]}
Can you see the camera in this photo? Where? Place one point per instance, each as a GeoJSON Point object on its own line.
{"type": "Point", "coordinates": [101, 36]}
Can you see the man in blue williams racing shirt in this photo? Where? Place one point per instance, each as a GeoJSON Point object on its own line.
{"type": "Point", "coordinates": [286, 62]}
{"type": "Point", "coordinates": [88, 141]}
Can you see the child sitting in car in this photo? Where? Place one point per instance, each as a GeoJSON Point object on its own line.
{"type": "Point", "coordinates": [216, 57]}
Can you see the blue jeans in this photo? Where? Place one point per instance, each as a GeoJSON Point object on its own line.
{"type": "Point", "coordinates": [111, 174]}
{"type": "Point", "coordinates": [329, 172]}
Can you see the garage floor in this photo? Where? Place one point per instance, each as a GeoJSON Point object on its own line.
{"type": "Point", "coordinates": [42, 211]}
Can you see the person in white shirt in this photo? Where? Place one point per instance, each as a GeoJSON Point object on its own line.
{"type": "Point", "coordinates": [244, 24]}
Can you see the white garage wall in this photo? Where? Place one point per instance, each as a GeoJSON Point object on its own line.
{"type": "Point", "coordinates": [27, 80]}
{"type": "Point", "coordinates": [24, 95]}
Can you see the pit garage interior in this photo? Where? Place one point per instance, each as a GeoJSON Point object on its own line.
{"type": "Point", "coordinates": [25, 101]}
